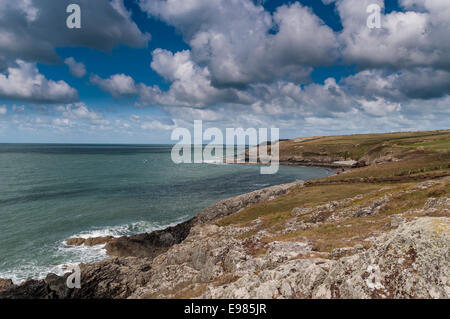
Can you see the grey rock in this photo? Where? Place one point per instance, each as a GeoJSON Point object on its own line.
{"type": "Point", "coordinates": [412, 261]}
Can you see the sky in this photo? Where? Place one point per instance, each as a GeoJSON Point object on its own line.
{"type": "Point", "coordinates": [138, 69]}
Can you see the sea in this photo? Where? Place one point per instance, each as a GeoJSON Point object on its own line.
{"type": "Point", "coordinates": [50, 193]}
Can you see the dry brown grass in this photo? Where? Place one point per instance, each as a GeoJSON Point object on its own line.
{"type": "Point", "coordinates": [346, 234]}
{"type": "Point", "coordinates": [427, 164]}
{"type": "Point", "coordinates": [424, 156]}
{"type": "Point", "coordinates": [355, 230]}
{"type": "Point", "coordinates": [279, 210]}
{"type": "Point", "coordinates": [357, 146]}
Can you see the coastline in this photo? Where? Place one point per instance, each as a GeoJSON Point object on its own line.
{"type": "Point", "coordinates": [146, 245]}
{"type": "Point", "coordinates": [139, 252]}
{"type": "Point", "coordinates": [130, 207]}
{"type": "Point", "coordinates": [297, 240]}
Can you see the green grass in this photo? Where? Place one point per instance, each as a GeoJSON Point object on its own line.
{"type": "Point", "coordinates": [372, 145]}
{"type": "Point", "coordinates": [439, 145]}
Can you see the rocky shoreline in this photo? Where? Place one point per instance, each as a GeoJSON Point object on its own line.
{"type": "Point", "coordinates": [206, 258]}
{"type": "Point", "coordinates": [150, 245]}
{"type": "Point", "coordinates": [145, 246]}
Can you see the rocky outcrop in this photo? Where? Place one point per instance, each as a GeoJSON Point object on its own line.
{"type": "Point", "coordinates": [408, 257]}
{"type": "Point", "coordinates": [94, 241]}
{"type": "Point", "coordinates": [52, 287]}
{"type": "Point", "coordinates": [107, 279]}
{"type": "Point", "coordinates": [119, 277]}
{"type": "Point", "coordinates": [149, 245]}
{"type": "Point", "coordinates": [412, 261]}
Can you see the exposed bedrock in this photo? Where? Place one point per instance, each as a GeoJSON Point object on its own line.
{"type": "Point", "coordinates": [410, 258]}
{"type": "Point", "coordinates": [119, 276]}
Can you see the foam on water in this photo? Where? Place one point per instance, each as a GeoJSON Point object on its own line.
{"type": "Point", "coordinates": [74, 255]}
{"type": "Point", "coordinates": [128, 229]}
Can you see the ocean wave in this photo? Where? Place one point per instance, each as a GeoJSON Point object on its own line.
{"type": "Point", "coordinates": [67, 256]}
{"type": "Point", "coordinates": [128, 229]}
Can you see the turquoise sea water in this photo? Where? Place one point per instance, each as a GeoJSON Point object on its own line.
{"type": "Point", "coordinates": [49, 193]}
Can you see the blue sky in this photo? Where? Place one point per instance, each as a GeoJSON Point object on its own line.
{"type": "Point", "coordinates": [137, 69]}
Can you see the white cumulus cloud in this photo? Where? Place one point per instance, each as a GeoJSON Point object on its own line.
{"type": "Point", "coordinates": [24, 82]}
{"type": "Point", "coordinates": [117, 84]}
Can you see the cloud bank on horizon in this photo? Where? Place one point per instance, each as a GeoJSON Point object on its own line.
{"type": "Point", "coordinates": [136, 70]}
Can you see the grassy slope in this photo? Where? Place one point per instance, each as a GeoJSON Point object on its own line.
{"type": "Point", "coordinates": [367, 146]}
{"type": "Point", "coordinates": [421, 156]}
